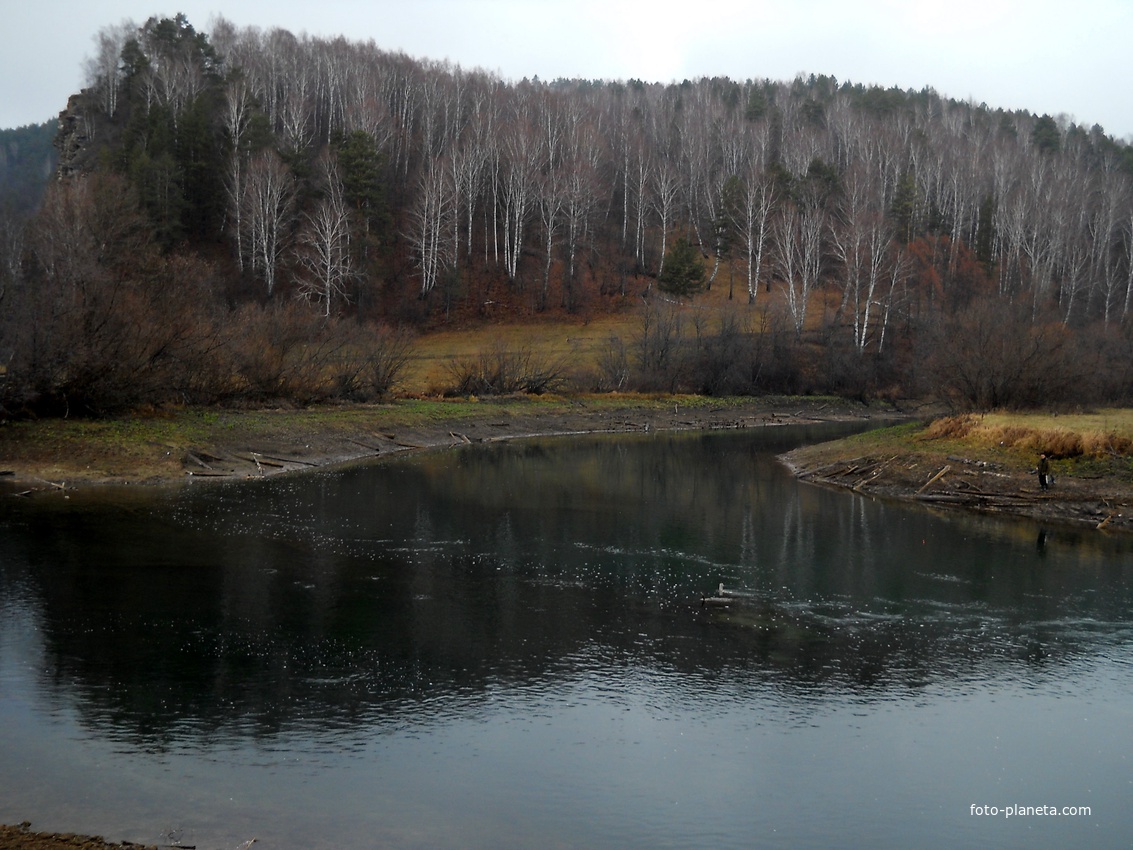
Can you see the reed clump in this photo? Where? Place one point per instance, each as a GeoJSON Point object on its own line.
{"type": "Point", "coordinates": [1057, 442]}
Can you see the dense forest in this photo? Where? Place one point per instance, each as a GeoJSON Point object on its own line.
{"type": "Point", "coordinates": [248, 215]}
{"type": "Point", "coordinates": [27, 163]}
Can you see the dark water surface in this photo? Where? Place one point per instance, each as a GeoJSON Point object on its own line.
{"type": "Point", "coordinates": [503, 647]}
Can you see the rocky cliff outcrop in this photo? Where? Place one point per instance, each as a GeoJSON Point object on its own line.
{"type": "Point", "coordinates": [84, 130]}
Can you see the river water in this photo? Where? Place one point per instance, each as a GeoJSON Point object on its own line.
{"type": "Point", "coordinates": [504, 646]}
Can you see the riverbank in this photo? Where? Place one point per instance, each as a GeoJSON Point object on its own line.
{"type": "Point", "coordinates": [987, 465]}
{"type": "Point", "coordinates": [967, 463]}
{"type": "Point", "coordinates": [21, 837]}
{"type": "Point", "coordinates": [160, 447]}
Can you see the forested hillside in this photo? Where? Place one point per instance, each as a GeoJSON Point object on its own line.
{"type": "Point", "coordinates": [27, 163]}
{"type": "Point", "coordinates": [246, 213]}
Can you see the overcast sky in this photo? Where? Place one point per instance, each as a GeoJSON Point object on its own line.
{"type": "Point", "coordinates": [1046, 56]}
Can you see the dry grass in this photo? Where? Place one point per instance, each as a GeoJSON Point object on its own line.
{"type": "Point", "coordinates": [428, 371]}
{"type": "Point", "coordinates": [579, 343]}
{"type": "Point", "coordinates": [1098, 434]}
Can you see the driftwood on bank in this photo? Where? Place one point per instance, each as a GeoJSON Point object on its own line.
{"type": "Point", "coordinates": [934, 479]}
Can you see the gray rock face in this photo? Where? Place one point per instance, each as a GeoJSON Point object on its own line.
{"type": "Point", "coordinates": [83, 131]}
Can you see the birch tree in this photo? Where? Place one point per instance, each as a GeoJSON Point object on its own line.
{"type": "Point", "coordinates": [431, 222]}
{"type": "Point", "coordinates": [521, 159]}
{"type": "Point", "coordinates": [269, 197]}
{"type": "Point", "coordinates": [236, 115]}
{"type": "Point", "coordinates": [666, 192]}
{"type": "Point", "coordinates": [103, 71]}
{"type": "Point", "coordinates": [324, 245]}
{"type": "Point", "coordinates": [752, 200]}
{"type": "Point", "coordinates": [797, 236]}
{"type": "Point", "coordinates": [580, 195]}
{"type": "Point", "coordinates": [860, 242]}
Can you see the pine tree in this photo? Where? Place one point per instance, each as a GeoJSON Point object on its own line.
{"type": "Point", "coordinates": [684, 270]}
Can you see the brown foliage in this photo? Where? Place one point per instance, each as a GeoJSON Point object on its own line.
{"type": "Point", "coordinates": [951, 427]}
{"type": "Point", "coordinates": [287, 352]}
{"type": "Point", "coordinates": [995, 354]}
{"type": "Point", "coordinates": [1055, 442]}
{"type": "Point", "coordinates": [502, 370]}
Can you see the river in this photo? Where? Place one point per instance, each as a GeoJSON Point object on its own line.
{"type": "Point", "coordinates": [504, 646]}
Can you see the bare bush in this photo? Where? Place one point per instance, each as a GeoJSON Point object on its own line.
{"type": "Point", "coordinates": [375, 364]}
{"type": "Point", "coordinates": [993, 354]}
{"type": "Point", "coordinates": [613, 369]}
{"type": "Point", "coordinates": [291, 353]}
{"type": "Point", "coordinates": [502, 370]}
{"type": "Point", "coordinates": [726, 362]}
{"type": "Point", "coordinates": [657, 345]}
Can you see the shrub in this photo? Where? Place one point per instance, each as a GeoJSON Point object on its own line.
{"type": "Point", "coordinates": [951, 427]}
{"type": "Point", "coordinates": [502, 370]}
{"type": "Point", "coordinates": [994, 354]}
{"type": "Point", "coordinates": [613, 369]}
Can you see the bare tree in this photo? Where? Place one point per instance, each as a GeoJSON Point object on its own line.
{"type": "Point", "coordinates": [860, 240]}
{"type": "Point", "coordinates": [269, 197]}
{"type": "Point", "coordinates": [752, 200]}
{"type": "Point", "coordinates": [666, 192]}
{"type": "Point", "coordinates": [236, 113]}
{"type": "Point", "coordinates": [797, 235]}
{"type": "Point", "coordinates": [581, 191]}
{"type": "Point", "coordinates": [431, 222]}
{"type": "Point", "coordinates": [1127, 239]}
{"type": "Point", "coordinates": [521, 168]}
{"type": "Point", "coordinates": [1113, 193]}
{"type": "Point", "coordinates": [639, 177]}
{"type": "Point", "coordinates": [551, 190]}
{"type": "Point", "coordinates": [468, 162]}
{"type": "Point", "coordinates": [103, 70]}
{"type": "Point", "coordinates": [324, 244]}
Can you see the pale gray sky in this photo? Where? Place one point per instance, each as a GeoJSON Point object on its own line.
{"type": "Point", "coordinates": [1046, 56]}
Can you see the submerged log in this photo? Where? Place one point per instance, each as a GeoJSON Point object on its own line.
{"type": "Point", "coordinates": [716, 601]}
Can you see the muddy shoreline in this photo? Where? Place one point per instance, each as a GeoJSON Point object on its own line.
{"type": "Point", "coordinates": [264, 443]}
{"type": "Point", "coordinates": [950, 482]}
{"type": "Point", "coordinates": [22, 837]}
{"type": "Point", "coordinates": [240, 445]}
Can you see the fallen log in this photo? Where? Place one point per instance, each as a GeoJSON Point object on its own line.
{"type": "Point", "coordinates": [264, 460]}
{"type": "Point", "coordinates": [197, 460]}
{"type": "Point", "coordinates": [285, 459]}
{"type": "Point", "coordinates": [374, 449]}
{"type": "Point", "coordinates": [405, 445]}
{"type": "Point", "coordinates": [934, 479]}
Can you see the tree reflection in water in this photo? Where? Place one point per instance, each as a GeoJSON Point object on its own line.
{"type": "Point", "coordinates": [415, 593]}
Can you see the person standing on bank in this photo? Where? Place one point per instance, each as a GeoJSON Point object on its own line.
{"type": "Point", "coordinates": [1043, 469]}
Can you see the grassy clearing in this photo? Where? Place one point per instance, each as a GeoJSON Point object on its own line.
{"type": "Point", "coordinates": [577, 346]}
